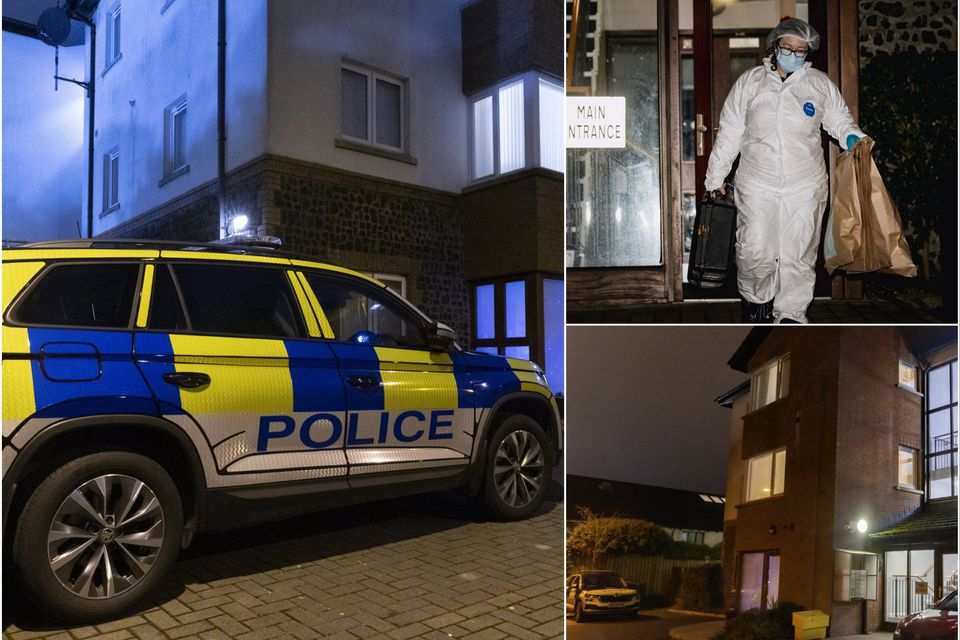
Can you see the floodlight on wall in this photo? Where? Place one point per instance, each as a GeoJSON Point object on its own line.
{"type": "Point", "coordinates": [860, 526]}
{"type": "Point", "coordinates": [239, 223]}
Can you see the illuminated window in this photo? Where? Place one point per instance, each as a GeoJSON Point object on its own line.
{"type": "Point", "coordinates": [770, 383]}
{"type": "Point", "coordinates": [111, 179]}
{"type": "Point", "coordinates": [394, 282]}
{"type": "Point", "coordinates": [765, 475]}
{"type": "Point", "coordinates": [372, 107]}
{"type": "Point", "coordinates": [553, 333]}
{"type": "Point", "coordinates": [908, 467]}
{"type": "Point", "coordinates": [941, 430]}
{"type": "Point", "coordinates": [175, 139]}
{"type": "Point", "coordinates": [693, 537]}
{"type": "Point", "coordinates": [507, 135]}
{"type": "Point", "coordinates": [112, 46]}
{"type": "Point", "coordinates": [500, 318]}
{"type": "Point", "coordinates": [908, 376]}
{"type": "Point", "coordinates": [551, 126]}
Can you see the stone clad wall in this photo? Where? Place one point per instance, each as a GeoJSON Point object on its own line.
{"type": "Point", "coordinates": [912, 25]}
{"type": "Point", "coordinates": [356, 221]}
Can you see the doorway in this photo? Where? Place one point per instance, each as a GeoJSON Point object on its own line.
{"type": "Point", "coordinates": [759, 580]}
{"type": "Point", "coordinates": [916, 578]}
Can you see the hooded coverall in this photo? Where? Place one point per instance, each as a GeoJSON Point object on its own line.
{"type": "Point", "coordinates": [781, 182]}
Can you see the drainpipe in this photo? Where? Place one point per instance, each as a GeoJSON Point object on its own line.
{"type": "Point", "coordinates": [221, 108]}
{"type": "Point", "coordinates": [76, 15]}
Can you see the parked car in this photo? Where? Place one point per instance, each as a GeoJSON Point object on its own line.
{"type": "Point", "coordinates": [937, 622]}
{"type": "Point", "coordinates": [600, 593]}
{"type": "Point", "coordinates": [152, 390]}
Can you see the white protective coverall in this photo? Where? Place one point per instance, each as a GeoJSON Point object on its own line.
{"type": "Point", "coordinates": [781, 182]}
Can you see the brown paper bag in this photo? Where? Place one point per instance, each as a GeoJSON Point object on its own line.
{"type": "Point", "coordinates": [864, 232]}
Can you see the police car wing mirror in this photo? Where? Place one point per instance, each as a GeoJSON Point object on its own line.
{"type": "Point", "coordinates": [440, 337]}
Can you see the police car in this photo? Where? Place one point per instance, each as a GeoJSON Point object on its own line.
{"type": "Point", "coordinates": [152, 390]}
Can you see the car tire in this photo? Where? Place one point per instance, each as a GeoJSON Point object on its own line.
{"type": "Point", "coordinates": [578, 614]}
{"type": "Point", "coordinates": [75, 546]}
{"type": "Point", "coordinates": [518, 467]}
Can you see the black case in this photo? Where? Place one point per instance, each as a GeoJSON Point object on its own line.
{"type": "Point", "coordinates": [714, 237]}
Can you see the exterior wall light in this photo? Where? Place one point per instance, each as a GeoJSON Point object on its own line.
{"type": "Point", "coordinates": [239, 223]}
{"type": "Point", "coordinates": [862, 525]}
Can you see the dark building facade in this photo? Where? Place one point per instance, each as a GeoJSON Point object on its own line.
{"type": "Point", "coordinates": [842, 477]}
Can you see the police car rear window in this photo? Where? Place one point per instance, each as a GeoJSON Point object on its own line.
{"type": "Point", "coordinates": [238, 300]}
{"type": "Point", "coordinates": [81, 295]}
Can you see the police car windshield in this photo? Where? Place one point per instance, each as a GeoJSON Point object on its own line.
{"type": "Point", "coordinates": [603, 581]}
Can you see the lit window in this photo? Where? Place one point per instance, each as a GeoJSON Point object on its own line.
{"type": "Point", "coordinates": [551, 126]}
{"type": "Point", "coordinates": [907, 467]}
{"type": "Point", "coordinates": [770, 383]}
{"type": "Point", "coordinates": [514, 121]}
{"type": "Point", "coordinates": [941, 430]}
{"type": "Point", "coordinates": [908, 376]}
{"type": "Point", "coordinates": [693, 537]}
{"type": "Point", "coordinates": [175, 138]}
{"type": "Point", "coordinates": [765, 475]}
{"type": "Point", "coordinates": [394, 282]}
{"type": "Point", "coordinates": [111, 179]}
{"type": "Point", "coordinates": [112, 46]}
{"type": "Point", "coordinates": [500, 318]}
{"type": "Point", "coordinates": [372, 106]}
{"type": "Point", "coordinates": [553, 330]}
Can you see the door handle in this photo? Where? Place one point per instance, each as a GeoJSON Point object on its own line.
{"type": "Point", "coordinates": [364, 383]}
{"type": "Point", "coordinates": [186, 379]}
{"type": "Point", "coordinates": [700, 129]}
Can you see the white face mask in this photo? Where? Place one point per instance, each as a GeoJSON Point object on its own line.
{"type": "Point", "coordinates": [789, 62]}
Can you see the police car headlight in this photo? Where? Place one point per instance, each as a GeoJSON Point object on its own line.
{"type": "Point", "coordinates": [591, 597]}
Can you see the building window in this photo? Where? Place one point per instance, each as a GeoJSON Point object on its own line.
{"type": "Point", "coordinates": [500, 318]}
{"type": "Point", "coordinates": [175, 138]}
{"type": "Point", "coordinates": [770, 383]}
{"type": "Point", "coordinates": [506, 135]}
{"type": "Point", "coordinates": [941, 430]}
{"type": "Point", "coordinates": [112, 47]}
{"type": "Point", "coordinates": [765, 475]}
{"type": "Point", "coordinates": [908, 468]}
{"type": "Point", "coordinates": [759, 580]}
{"type": "Point", "coordinates": [372, 107]}
{"type": "Point", "coordinates": [394, 282]}
{"type": "Point", "coordinates": [111, 179]}
{"type": "Point", "coordinates": [908, 376]}
{"type": "Point", "coordinates": [693, 537]}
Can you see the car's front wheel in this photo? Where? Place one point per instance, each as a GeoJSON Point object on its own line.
{"type": "Point", "coordinates": [97, 535]}
{"type": "Point", "coordinates": [578, 614]}
{"type": "Point", "coordinates": [518, 469]}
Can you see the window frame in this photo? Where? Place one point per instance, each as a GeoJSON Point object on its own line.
{"type": "Point", "coordinates": [951, 453]}
{"type": "Point", "coordinates": [373, 76]}
{"type": "Point", "coordinates": [773, 475]}
{"type": "Point", "coordinates": [11, 317]}
{"type": "Point", "coordinates": [916, 374]}
{"type": "Point", "coordinates": [301, 321]}
{"type": "Point", "coordinates": [414, 315]}
{"type": "Point", "coordinates": [112, 44]}
{"type": "Point", "coordinates": [777, 362]}
{"type": "Point", "coordinates": [500, 340]}
{"type": "Point", "coordinates": [170, 113]}
{"type": "Point", "coordinates": [111, 178]}
{"type": "Point", "coordinates": [917, 476]}
{"type": "Point", "coordinates": [532, 112]}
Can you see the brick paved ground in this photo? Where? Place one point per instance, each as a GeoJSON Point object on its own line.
{"type": "Point", "coordinates": [424, 567]}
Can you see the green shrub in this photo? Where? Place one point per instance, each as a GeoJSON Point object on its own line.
{"type": "Point", "coordinates": [768, 624]}
{"type": "Point", "coordinates": [701, 588]}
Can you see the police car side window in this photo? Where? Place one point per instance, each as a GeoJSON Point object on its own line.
{"type": "Point", "coordinates": [81, 295]}
{"type": "Point", "coordinates": [354, 310]}
{"type": "Point", "coordinates": [166, 311]}
{"type": "Point", "coordinates": [238, 300]}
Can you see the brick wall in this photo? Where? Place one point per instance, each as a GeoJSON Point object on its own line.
{"type": "Point", "coordinates": [502, 39]}
{"type": "Point", "coordinates": [514, 225]}
{"type": "Point", "coordinates": [875, 417]}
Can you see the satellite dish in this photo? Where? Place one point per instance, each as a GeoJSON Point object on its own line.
{"type": "Point", "coordinates": [53, 26]}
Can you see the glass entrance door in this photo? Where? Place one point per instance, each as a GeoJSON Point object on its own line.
{"type": "Point", "coordinates": [910, 581]}
{"type": "Point", "coordinates": [759, 580]}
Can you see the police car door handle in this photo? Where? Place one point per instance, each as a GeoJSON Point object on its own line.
{"type": "Point", "coordinates": [364, 382]}
{"type": "Point", "coordinates": [187, 380]}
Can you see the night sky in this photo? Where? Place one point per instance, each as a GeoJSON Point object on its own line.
{"type": "Point", "coordinates": [640, 404]}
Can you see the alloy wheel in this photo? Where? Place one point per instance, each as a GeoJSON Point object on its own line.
{"type": "Point", "coordinates": [518, 468]}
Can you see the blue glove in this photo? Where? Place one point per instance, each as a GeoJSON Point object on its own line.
{"type": "Point", "coordinates": [852, 140]}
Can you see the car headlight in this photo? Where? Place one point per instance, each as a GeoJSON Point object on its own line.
{"type": "Point", "coordinates": [590, 597]}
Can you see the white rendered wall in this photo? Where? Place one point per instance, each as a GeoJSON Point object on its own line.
{"type": "Point", "coordinates": [421, 42]}
{"type": "Point", "coordinates": [165, 56]}
{"type": "Point", "coordinates": [44, 157]}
